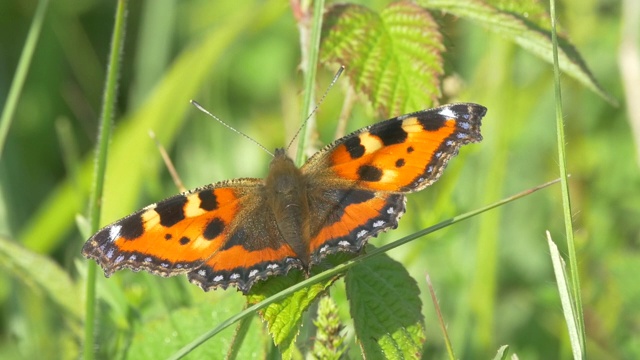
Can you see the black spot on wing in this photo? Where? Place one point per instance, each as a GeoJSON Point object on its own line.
{"type": "Point", "coordinates": [171, 211]}
{"type": "Point", "coordinates": [208, 200]}
{"type": "Point", "coordinates": [354, 147]}
{"type": "Point", "coordinates": [131, 226]}
{"type": "Point", "coordinates": [400, 163]}
{"type": "Point", "coordinates": [184, 240]}
{"type": "Point", "coordinates": [369, 173]}
{"type": "Point", "coordinates": [213, 229]}
{"type": "Point", "coordinates": [391, 133]}
{"type": "Point", "coordinates": [168, 236]}
{"type": "Point", "coordinates": [430, 121]}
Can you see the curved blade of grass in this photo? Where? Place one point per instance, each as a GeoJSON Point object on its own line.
{"type": "Point", "coordinates": [42, 274]}
{"type": "Point", "coordinates": [339, 269]}
{"type": "Point", "coordinates": [530, 36]}
{"type": "Point", "coordinates": [443, 327]}
{"type": "Point", "coordinates": [21, 71]}
{"type": "Point", "coordinates": [503, 353]}
{"type": "Point", "coordinates": [564, 290]}
{"type": "Point", "coordinates": [566, 199]}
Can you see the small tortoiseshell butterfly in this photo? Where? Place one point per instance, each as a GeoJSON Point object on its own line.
{"type": "Point", "coordinates": [237, 232]}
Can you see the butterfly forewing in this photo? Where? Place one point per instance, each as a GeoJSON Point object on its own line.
{"type": "Point", "coordinates": [172, 236]}
{"type": "Point", "coordinates": [402, 154]}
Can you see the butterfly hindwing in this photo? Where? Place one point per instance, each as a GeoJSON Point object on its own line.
{"type": "Point", "coordinates": [253, 250]}
{"type": "Point", "coordinates": [343, 219]}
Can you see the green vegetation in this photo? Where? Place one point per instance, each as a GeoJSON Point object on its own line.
{"type": "Point", "coordinates": [493, 274]}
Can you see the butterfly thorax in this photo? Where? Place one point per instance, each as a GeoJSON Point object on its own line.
{"type": "Point", "coordinates": [286, 195]}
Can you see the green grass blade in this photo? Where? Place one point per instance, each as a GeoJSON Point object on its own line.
{"type": "Point", "coordinates": [104, 134]}
{"type": "Point", "coordinates": [568, 309]}
{"type": "Point", "coordinates": [42, 274]}
{"type": "Point", "coordinates": [443, 326]}
{"type": "Point", "coordinates": [21, 71]}
{"type": "Point", "coordinates": [310, 66]}
{"type": "Point", "coordinates": [503, 353]}
{"type": "Point", "coordinates": [564, 186]}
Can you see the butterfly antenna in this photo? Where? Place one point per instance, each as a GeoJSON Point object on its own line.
{"type": "Point", "coordinates": [230, 127]}
{"type": "Point", "coordinates": [335, 79]}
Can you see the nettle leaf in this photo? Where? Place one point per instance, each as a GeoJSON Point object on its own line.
{"type": "Point", "coordinates": [392, 57]}
{"type": "Point", "coordinates": [164, 335]}
{"type": "Point", "coordinates": [530, 31]}
{"type": "Point", "coordinates": [284, 317]}
{"type": "Point", "coordinates": [385, 307]}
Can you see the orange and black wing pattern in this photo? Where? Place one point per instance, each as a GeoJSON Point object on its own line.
{"type": "Point", "coordinates": [357, 184]}
{"type": "Point", "coordinates": [403, 154]}
{"type": "Point", "coordinates": [344, 219]}
{"type": "Point", "coordinates": [202, 233]}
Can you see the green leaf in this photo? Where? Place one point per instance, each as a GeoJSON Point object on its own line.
{"type": "Point", "coordinates": [386, 309]}
{"type": "Point", "coordinates": [392, 57]}
{"type": "Point", "coordinates": [41, 274]}
{"type": "Point", "coordinates": [158, 338]}
{"type": "Point", "coordinates": [285, 316]}
{"type": "Point", "coordinates": [530, 34]}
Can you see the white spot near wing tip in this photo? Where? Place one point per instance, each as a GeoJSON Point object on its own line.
{"type": "Point", "coordinates": [378, 223]}
{"type": "Point", "coordinates": [447, 112]}
{"type": "Point", "coordinates": [114, 232]}
{"type": "Point", "coordinates": [234, 276]}
{"type": "Point", "coordinates": [218, 278]}
{"type": "Point", "coordinates": [253, 273]}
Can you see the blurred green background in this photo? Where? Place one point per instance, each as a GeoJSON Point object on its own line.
{"type": "Point", "coordinates": [492, 274]}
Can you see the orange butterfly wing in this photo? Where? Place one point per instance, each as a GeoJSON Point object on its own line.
{"type": "Point", "coordinates": [201, 233]}
{"type": "Point", "coordinates": [375, 165]}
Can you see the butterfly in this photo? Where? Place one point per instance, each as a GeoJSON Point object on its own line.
{"type": "Point", "coordinates": [237, 232]}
